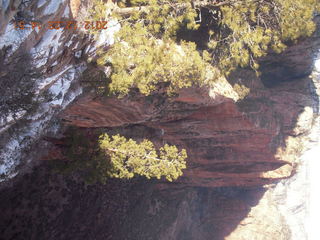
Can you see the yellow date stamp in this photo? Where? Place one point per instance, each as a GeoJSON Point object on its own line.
{"type": "Point", "coordinates": [65, 25]}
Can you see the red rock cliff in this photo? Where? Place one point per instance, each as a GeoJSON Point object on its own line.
{"type": "Point", "coordinates": [230, 142]}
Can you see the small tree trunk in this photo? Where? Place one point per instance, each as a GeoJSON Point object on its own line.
{"type": "Point", "coordinates": [215, 3]}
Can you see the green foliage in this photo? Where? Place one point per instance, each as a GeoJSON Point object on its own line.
{"type": "Point", "coordinates": [142, 61]}
{"type": "Point", "coordinates": [118, 157]}
{"type": "Point", "coordinates": [163, 20]}
{"type": "Point", "coordinates": [240, 32]}
{"type": "Point", "coordinates": [146, 54]}
{"type": "Point", "coordinates": [97, 13]}
{"type": "Point", "coordinates": [241, 90]}
{"type": "Point", "coordinates": [94, 78]}
{"type": "Point", "coordinates": [296, 18]}
{"type": "Point", "coordinates": [250, 28]}
{"type": "Point", "coordinates": [18, 85]}
{"type": "Point", "coordinates": [129, 158]}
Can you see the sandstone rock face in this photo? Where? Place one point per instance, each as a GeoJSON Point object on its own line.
{"type": "Point", "coordinates": [250, 142]}
{"type": "Point", "coordinates": [232, 145]}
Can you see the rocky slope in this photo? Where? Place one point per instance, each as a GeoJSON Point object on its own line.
{"type": "Point", "coordinates": [245, 176]}
{"type": "Point", "coordinates": [55, 57]}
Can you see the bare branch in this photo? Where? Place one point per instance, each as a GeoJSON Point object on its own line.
{"type": "Point", "coordinates": [215, 3]}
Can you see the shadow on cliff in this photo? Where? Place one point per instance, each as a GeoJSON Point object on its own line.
{"type": "Point", "coordinates": [230, 147]}
{"type": "Point", "coordinates": [43, 205]}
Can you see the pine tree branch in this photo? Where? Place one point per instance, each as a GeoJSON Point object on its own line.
{"type": "Point", "coordinates": [128, 155]}
{"type": "Point", "coordinates": [114, 150]}
{"type": "Point", "coordinates": [208, 3]}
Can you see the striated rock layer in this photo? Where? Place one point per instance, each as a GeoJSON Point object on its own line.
{"type": "Point", "coordinates": [249, 142]}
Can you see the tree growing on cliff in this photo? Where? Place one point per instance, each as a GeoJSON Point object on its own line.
{"type": "Point", "coordinates": [129, 158]}
{"type": "Point", "coordinates": [18, 85]}
{"type": "Point", "coordinates": [142, 61]}
{"type": "Point", "coordinates": [118, 157]}
{"type": "Point", "coordinates": [237, 34]}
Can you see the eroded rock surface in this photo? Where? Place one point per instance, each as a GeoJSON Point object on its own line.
{"type": "Point", "coordinates": [251, 142]}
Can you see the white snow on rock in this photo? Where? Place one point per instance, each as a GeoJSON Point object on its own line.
{"type": "Point", "coordinates": [66, 12]}
{"type": "Point", "coordinates": [54, 64]}
{"type": "Point", "coordinates": [7, 166]}
{"type": "Point", "coordinates": [60, 88]}
{"type": "Point", "coordinates": [41, 3]}
{"type": "Point", "coordinates": [48, 46]}
{"type": "Point", "coordinates": [106, 36]}
{"type": "Point", "coordinates": [69, 43]}
{"type": "Point", "coordinates": [10, 117]}
{"type": "Point", "coordinates": [59, 85]}
{"type": "Point", "coordinates": [46, 82]}
{"type": "Point", "coordinates": [14, 37]}
{"type": "Point", "coordinates": [76, 46]}
{"type": "Point", "coordinates": [317, 65]}
{"type": "Point", "coordinates": [53, 7]}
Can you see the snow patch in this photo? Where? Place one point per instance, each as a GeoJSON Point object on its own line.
{"type": "Point", "coordinates": [44, 83]}
{"type": "Point", "coordinates": [54, 64]}
{"type": "Point", "coordinates": [106, 36]}
{"type": "Point", "coordinates": [76, 46]}
{"type": "Point", "coordinates": [7, 165]}
{"type": "Point", "coordinates": [317, 65]}
{"type": "Point", "coordinates": [11, 117]}
{"type": "Point", "coordinates": [66, 12]}
{"type": "Point", "coordinates": [49, 45]}
{"type": "Point", "coordinates": [69, 43]}
{"type": "Point", "coordinates": [41, 3]}
{"type": "Point", "coordinates": [59, 85]}
{"type": "Point", "coordinates": [53, 7]}
{"type": "Point", "coordinates": [14, 37]}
